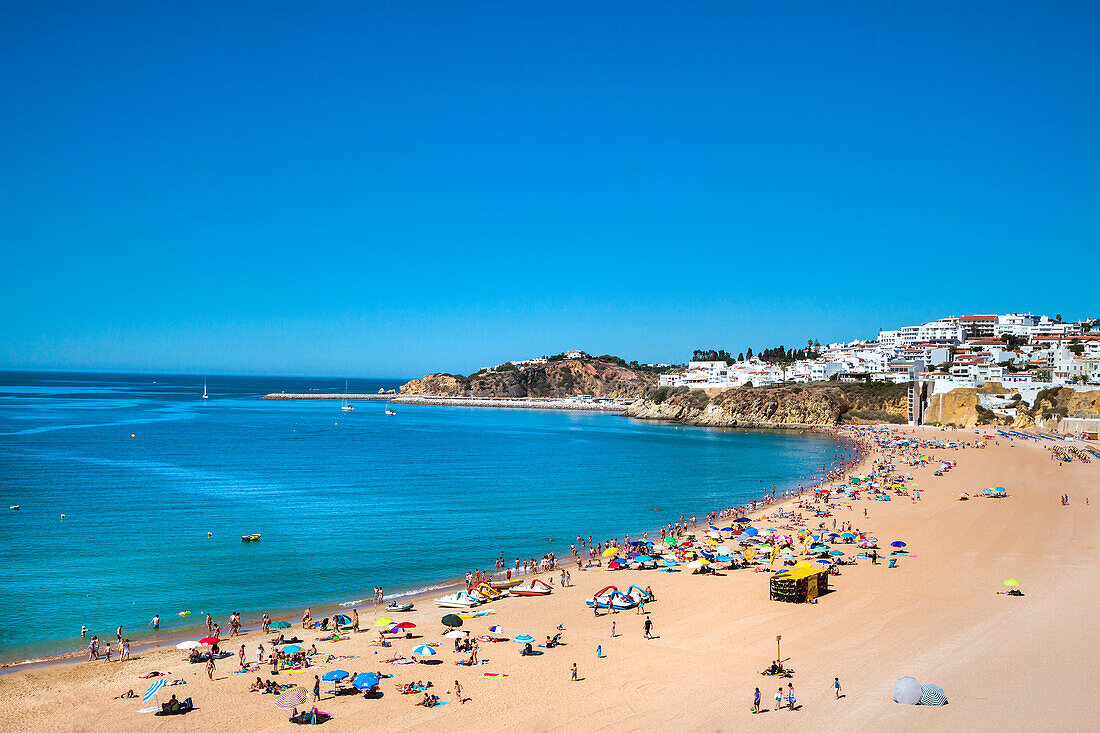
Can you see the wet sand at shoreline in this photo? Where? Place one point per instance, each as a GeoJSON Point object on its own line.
{"type": "Point", "coordinates": [937, 616]}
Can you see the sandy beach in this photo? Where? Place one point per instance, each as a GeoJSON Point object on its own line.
{"type": "Point", "coordinates": [937, 616]}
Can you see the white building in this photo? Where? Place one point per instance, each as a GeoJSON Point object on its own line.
{"type": "Point", "coordinates": [945, 329]}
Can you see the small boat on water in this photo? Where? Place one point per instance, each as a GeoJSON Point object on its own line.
{"type": "Point", "coordinates": [391, 411]}
{"type": "Point", "coordinates": [205, 396]}
{"type": "Point", "coordinates": [14, 507]}
{"type": "Point", "coordinates": [399, 607]}
{"type": "Point", "coordinates": [250, 538]}
{"type": "Point", "coordinates": [344, 403]}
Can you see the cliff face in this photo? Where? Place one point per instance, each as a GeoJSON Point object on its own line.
{"type": "Point", "coordinates": [797, 406]}
{"type": "Point", "coordinates": [565, 378]}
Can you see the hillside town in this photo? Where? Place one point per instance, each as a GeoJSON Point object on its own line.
{"type": "Point", "coordinates": [1021, 349]}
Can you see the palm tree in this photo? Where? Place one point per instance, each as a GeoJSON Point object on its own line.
{"type": "Point", "coordinates": [1058, 317]}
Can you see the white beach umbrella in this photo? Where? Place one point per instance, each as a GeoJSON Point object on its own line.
{"type": "Point", "coordinates": [186, 645]}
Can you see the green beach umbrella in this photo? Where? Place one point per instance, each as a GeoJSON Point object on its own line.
{"type": "Point", "coordinates": [452, 620]}
{"type": "Point", "coordinates": [279, 625]}
{"type": "Point", "coordinates": [1012, 581]}
{"type": "Point", "coordinates": [670, 541]}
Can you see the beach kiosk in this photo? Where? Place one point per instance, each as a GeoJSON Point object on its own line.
{"type": "Point", "coordinates": [799, 585]}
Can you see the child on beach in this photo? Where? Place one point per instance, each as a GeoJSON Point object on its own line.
{"type": "Point", "coordinates": [756, 701]}
{"type": "Point", "coordinates": [836, 686]}
{"type": "Point", "coordinates": [778, 698]}
{"type": "Point", "coordinates": [574, 678]}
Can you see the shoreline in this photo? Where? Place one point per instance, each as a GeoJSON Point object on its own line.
{"type": "Point", "coordinates": [512, 403]}
{"type": "Point", "coordinates": [440, 587]}
{"type": "Point", "coordinates": [940, 615]}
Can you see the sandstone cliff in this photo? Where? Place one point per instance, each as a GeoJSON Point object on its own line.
{"type": "Point", "coordinates": [563, 378]}
{"type": "Point", "coordinates": [788, 406]}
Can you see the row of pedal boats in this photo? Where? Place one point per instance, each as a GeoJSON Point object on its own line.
{"type": "Point", "coordinates": [486, 592]}
{"type": "Point", "coordinates": [608, 598]}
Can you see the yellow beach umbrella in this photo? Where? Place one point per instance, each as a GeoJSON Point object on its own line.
{"type": "Point", "coordinates": [611, 551]}
{"type": "Point", "coordinates": [383, 622]}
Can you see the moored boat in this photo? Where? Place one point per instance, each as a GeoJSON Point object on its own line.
{"type": "Point", "coordinates": [250, 538]}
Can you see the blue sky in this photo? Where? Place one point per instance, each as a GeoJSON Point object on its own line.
{"type": "Point", "coordinates": [393, 188]}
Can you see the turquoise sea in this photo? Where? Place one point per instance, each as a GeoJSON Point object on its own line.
{"type": "Point", "coordinates": [143, 468]}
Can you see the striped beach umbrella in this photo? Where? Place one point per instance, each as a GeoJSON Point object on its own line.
{"type": "Point", "coordinates": [292, 698]}
{"type": "Point", "coordinates": [152, 691]}
{"type": "Point", "coordinates": [524, 639]}
{"type": "Point", "coordinates": [496, 629]}
{"type": "Point", "coordinates": [932, 695]}
{"type": "Point", "coordinates": [424, 650]}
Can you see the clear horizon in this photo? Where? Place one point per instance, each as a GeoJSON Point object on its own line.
{"type": "Point", "coordinates": [403, 189]}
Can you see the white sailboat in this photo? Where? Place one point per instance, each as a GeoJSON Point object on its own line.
{"type": "Point", "coordinates": [205, 396]}
{"type": "Point", "coordinates": [344, 403]}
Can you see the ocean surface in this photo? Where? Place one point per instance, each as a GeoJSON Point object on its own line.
{"type": "Point", "coordinates": [157, 486]}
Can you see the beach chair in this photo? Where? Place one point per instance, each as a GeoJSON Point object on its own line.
{"type": "Point", "coordinates": [893, 563]}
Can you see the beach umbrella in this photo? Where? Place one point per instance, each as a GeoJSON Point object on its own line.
{"type": "Point", "coordinates": [279, 625]}
{"type": "Point", "coordinates": [907, 691]}
{"type": "Point", "coordinates": [932, 695]}
{"type": "Point", "coordinates": [405, 625]}
{"type": "Point", "coordinates": [752, 531]}
{"type": "Point", "coordinates": [670, 540]}
{"type": "Point", "coordinates": [342, 619]}
{"type": "Point", "coordinates": [452, 620]}
{"type": "Point", "coordinates": [822, 562]}
{"type": "Point", "coordinates": [695, 564]}
{"type": "Point", "coordinates": [848, 535]}
{"type": "Point", "coordinates": [897, 543]}
{"type": "Point", "coordinates": [496, 629]}
{"type": "Point", "coordinates": [291, 649]}
{"type": "Point", "coordinates": [644, 558]}
{"type": "Point", "coordinates": [524, 639]}
{"type": "Point", "coordinates": [455, 634]}
{"type": "Point", "coordinates": [424, 650]}
{"type": "Point", "coordinates": [835, 553]}
{"type": "Point", "coordinates": [185, 645]}
{"type": "Point", "coordinates": [365, 680]}
{"type": "Point", "coordinates": [746, 520]}
{"type": "Point", "coordinates": [334, 675]}
{"type": "Point", "coordinates": [152, 691]}
{"type": "Point", "coordinates": [669, 562]}
{"type": "Point", "coordinates": [834, 535]}
{"type": "Point", "coordinates": [611, 551]}
{"type": "Point", "coordinates": [209, 640]}
{"type": "Point", "coordinates": [292, 698]}
{"type": "Point", "coordinates": [383, 621]}
{"type": "Point", "coordinates": [1012, 581]}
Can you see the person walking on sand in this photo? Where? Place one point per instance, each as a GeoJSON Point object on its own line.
{"type": "Point", "coordinates": [316, 688]}
{"type": "Point", "coordinates": [790, 696]}
{"type": "Point", "coordinates": [756, 701]}
{"type": "Point", "coordinates": [355, 620]}
{"type": "Point", "coordinates": [836, 687]}
{"type": "Point", "coordinates": [241, 655]}
{"type": "Point", "coordinates": [648, 627]}
{"type": "Point", "coordinates": [574, 677]}
{"type": "Point", "coordinates": [612, 629]}
{"type": "Point", "coordinates": [458, 693]}
{"type": "Point", "coordinates": [210, 667]}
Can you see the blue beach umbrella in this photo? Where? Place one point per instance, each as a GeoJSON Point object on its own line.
{"type": "Point", "coordinates": [644, 558]}
{"type": "Point", "coordinates": [897, 543]}
{"type": "Point", "coordinates": [669, 562]}
{"type": "Point", "coordinates": [742, 519]}
{"type": "Point", "coordinates": [496, 629]}
{"type": "Point", "coordinates": [290, 649]}
{"type": "Point", "coordinates": [835, 553]}
{"type": "Point", "coordinates": [334, 675]}
{"type": "Point", "coordinates": [341, 618]}
{"type": "Point", "coordinates": [752, 531]}
{"type": "Point", "coordinates": [424, 650]}
{"type": "Point", "coordinates": [152, 691]}
{"type": "Point", "coordinates": [363, 680]}
{"type": "Point", "coordinates": [524, 639]}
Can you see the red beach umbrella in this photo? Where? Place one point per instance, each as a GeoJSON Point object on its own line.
{"type": "Point", "coordinates": [209, 640]}
{"type": "Point", "coordinates": [405, 625]}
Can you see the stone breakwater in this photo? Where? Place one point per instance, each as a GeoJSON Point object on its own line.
{"type": "Point", "coordinates": [326, 396]}
{"type": "Point", "coordinates": [520, 403]}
